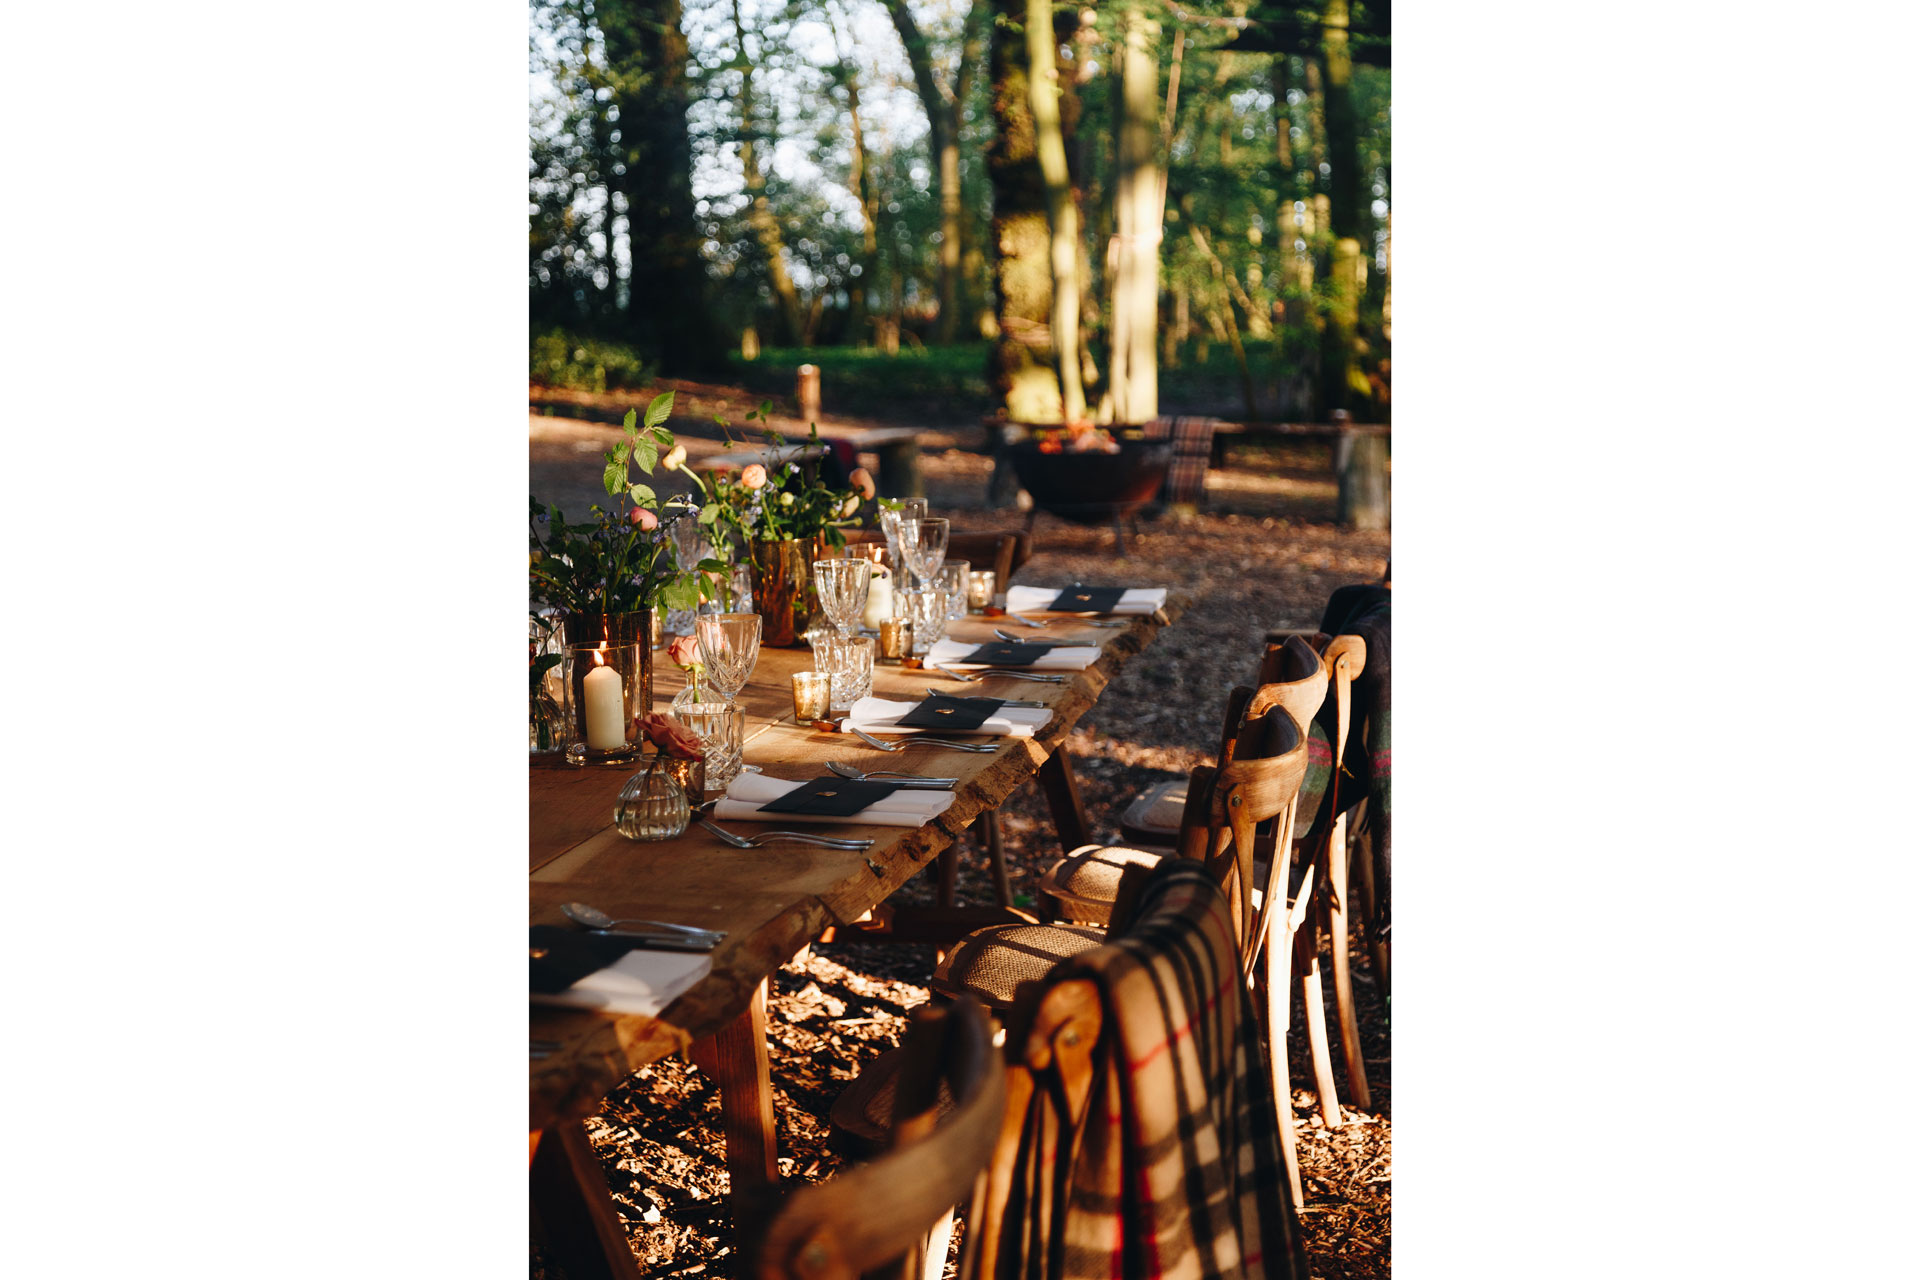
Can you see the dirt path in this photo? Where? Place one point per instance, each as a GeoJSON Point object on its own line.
{"type": "Point", "coordinates": [1262, 555]}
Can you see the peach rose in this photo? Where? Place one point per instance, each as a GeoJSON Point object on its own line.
{"type": "Point", "coordinates": [851, 505]}
{"type": "Point", "coordinates": [753, 475]}
{"type": "Point", "coordinates": [670, 736]}
{"type": "Point", "coordinates": [862, 480]}
{"type": "Point", "coordinates": [644, 518]}
{"type": "Point", "coordinates": [685, 652]}
{"type": "Point", "coordinates": [675, 456]}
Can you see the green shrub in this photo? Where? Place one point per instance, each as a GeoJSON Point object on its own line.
{"type": "Point", "coordinates": [557, 358]}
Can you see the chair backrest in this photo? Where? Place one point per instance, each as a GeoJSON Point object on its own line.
{"type": "Point", "coordinates": [1141, 1135]}
{"type": "Point", "coordinates": [1258, 787]}
{"type": "Point", "coordinates": [876, 1213]}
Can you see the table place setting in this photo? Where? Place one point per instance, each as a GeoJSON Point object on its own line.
{"type": "Point", "coordinates": [829, 799]}
{"type": "Point", "coordinates": [1002, 653]}
{"type": "Point", "coordinates": [609, 973]}
{"type": "Point", "coordinates": [1115, 601]}
{"type": "Point", "coordinates": [946, 713]}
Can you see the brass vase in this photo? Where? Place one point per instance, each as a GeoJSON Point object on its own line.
{"type": "Point", "coordinates": [781, 578]}
{"type": "Point", "coordinates": [617, 628]}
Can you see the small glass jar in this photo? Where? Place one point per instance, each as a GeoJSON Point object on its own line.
{"type": "Point", "coordinates": [927, 610]}
{"type": "Point", "coordinates": [952, 579]}
{"type": "Point", "coordinates": [848, 662]}
{"type": "Point", "coordinates": [721, 728]}
{"type": "Point", "coordinates": [653, 804]}
{"type": "Point", "coordinates": [979, 589]}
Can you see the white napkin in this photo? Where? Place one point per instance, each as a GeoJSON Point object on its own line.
{"type": "Point", "coordinates": [1072, 657]}
{"type": "Point", "coordinates": [879, 713]}
{"type": "Point", "coordinates": [746, 793]}
{"type": "Point", "coordinates": [643, 982]}
{"type": "Point", "coordinates": [1137, 600]}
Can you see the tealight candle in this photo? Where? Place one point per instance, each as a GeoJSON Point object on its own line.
{"type": "Point", "coordinates": [812, 695]}
{"type": "Point", "coordinates": [896, 637]}
{"type": "Point", "coordinates": [606, 709]}
{"type": "Point", "coordinates": [979, 589]}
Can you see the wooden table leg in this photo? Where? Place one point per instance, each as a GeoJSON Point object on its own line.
{"type": "Point", "coordinates": [569, 1194]}
{"type": "Point", "coordinates": [1063, 798]}
{"type": "Point", "coordinates": [736, 1059]}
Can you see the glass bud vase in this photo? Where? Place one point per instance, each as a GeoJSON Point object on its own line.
{"type": "Point", "coordinates": [653, 804]}
{"type": "Point", "coordinates": [547, 730]}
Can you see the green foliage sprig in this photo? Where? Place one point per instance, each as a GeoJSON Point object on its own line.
{"type": "Point", "coordinates": [772, 504]}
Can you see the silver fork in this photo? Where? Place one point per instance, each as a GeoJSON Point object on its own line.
{"type": "Point", "coordinates": [768, 837]}
{"type": "Point", "coordinates": [974, 677]}
{"type": "Point", "coordinates": [908, 781]}
{"type": "Point", "coordinates": [1025, 622]}
{"type": "Point", "coordinates": [921, 740]}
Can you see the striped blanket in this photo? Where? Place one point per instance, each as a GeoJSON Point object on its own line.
{"type": "Point", "coordinates": [1176, 1170]}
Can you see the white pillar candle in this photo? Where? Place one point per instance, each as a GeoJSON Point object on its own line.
{"type": "Point", "coordinates": [879, 599]}
{"type": "Point", "coordinates": [606, 709]}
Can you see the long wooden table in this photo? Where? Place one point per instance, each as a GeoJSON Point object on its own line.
{"type": "Point", "coordinates": [772, 902]}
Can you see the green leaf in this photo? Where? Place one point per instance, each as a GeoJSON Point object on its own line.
{"type": "Point", "coordinates": [709, 513]}
{"type": "Point", "coordinates": [658, 411]}
{"type": "Point", "coordinates": [664, 436]}
{"type": "Point", "coordinates": [642, 495]}
{"type": "Point", "coordinates": [615, 477]}
{"type": "Point", "coordinates": [627, 421]}
{"type": "Point", "coordinates": [646, 453]}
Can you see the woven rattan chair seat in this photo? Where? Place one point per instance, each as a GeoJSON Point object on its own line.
{"type": "Point", "coordinates": [1084, 882]}
{"type": "Point", "coordinates": [990, 964]}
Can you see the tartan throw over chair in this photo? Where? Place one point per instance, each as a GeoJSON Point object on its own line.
{"type": "Point", "coordinates": [1140, 1139]}
{"type": "Point", "coordinates": [1186, 483]}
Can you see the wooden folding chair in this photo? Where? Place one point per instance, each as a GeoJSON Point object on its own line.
{"type": "Point", "coordinates": [893, 1216]}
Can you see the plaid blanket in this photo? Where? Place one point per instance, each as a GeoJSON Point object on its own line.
{"type": "Point", "coordinates": [1176, 1169]}
{"type": "Point", "coordinates": [1192, 438]}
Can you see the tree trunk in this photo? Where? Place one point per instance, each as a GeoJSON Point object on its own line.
{"type": "Point", "coordinates": [1133, 374]}
{"type": "Point", "coordinates": [1019, 366]}
{"type": "Point", "coordinates": [1063, 217]}
{"type": "Point", "coordinates": [860, 182]}
{"type": "Point", "coordinates": [942, 106]}
{"type": "Point", "coordinates": [1337, 365]}
{"type": "Point", "coordinates": [667, 310]}
{"type": "Point", "coordinates": [766, 227]}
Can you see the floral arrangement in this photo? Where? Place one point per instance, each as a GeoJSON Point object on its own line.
{"type": "Point", "coordinates": [620, 560]}
{"type": "Point", "coordinates": [763, 505]}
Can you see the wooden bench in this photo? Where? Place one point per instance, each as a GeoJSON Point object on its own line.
{"type": "Point", "coordinates": [1359, 460]}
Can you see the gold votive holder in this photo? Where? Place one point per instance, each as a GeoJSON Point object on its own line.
{"type": "Point", "coordinates": [896, 638]}
{"type": "Point", "coordinates": [812, 695]}
{"type": "Point", "coordinates": [979, 589]}
{"type": "Point", "coordinates": [690, 774]}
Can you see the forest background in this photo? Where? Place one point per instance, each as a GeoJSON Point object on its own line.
{"type": "Point", "coordinates": [1193, 201]}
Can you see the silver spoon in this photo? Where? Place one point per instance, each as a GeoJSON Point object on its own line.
{"type": "Point", "coordinates": [768, 837]}
{"type": "Point", "coordinates": [906, 781]}
{"type": "Point", "coordinates": [974, 677]}
{"type": "Point", "coordinates": [593, 918]}
{"type": "Point", "coordinates": [920, 740]}
{"type": "Point", "coordinates": [1005, 702]}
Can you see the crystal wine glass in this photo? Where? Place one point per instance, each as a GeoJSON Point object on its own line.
{"type": "Point", "coordinates": [923, 544]}
{"type": "Point", "coordinates": [843, 586]}
{"type": "Point", "coordinates": [910, 509]}
{"type": "Point", "coordinates": [729, 647]}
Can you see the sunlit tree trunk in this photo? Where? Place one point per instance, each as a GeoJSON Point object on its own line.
{"type": "Point", "coordinates": [667, 309]}
{"type": "Point", "coordinates": [766, 228]}
{"type": "Point", "coordinates": [861, 183]}
{"type": "Point", "coordinates": [1063, 217]}
{"type": "Point", "coordinates": [1133, 374]}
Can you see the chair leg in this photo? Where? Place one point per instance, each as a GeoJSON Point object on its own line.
{"type": "Point", "coordinates": [569, 1196]}
{"type": "Point", "coordinates": [1377, 949]}
{"type": "Point", "coordinates": [933, 1256]}
{"type": "Point", "coordinates": [1279, 993]}
{"type": "Point", "coordinates": [1311, 997]}
{"type": "Point", "coordinates": [1342, 970]}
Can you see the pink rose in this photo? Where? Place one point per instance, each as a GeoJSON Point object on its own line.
{"type": "Point", "coordinates": [862, 480]}
{"type": "Point", "coordinates": [670, 736]}
{"type": "Point", "coordinates": [753, 475]}
{"type": "Point", "coordinates": [644, 518]}
{"type": "Point", "coordinates": [685, 652]}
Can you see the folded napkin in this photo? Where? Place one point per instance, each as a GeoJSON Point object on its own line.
{"type": "Point", "coordinates": [879, 713]}
{"type": "Point", "coordinates": [746, 793]}
{"type": "Point", "coordinates": [643, 982]}
{"type": "Point", "coordinates": [1068, 657]}
{"type": "Point", "coordinates": [1136, 601]}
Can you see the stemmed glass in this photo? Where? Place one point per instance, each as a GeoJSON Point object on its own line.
{"type": "Point", "coordinates": [843, 587]}
{"type": "Point", "coordinates": [910, 509]}
{"type": "Point", "coordinates": [689, 547]}
{"type": "Point", "coordinates": [923, 544]}
{"type": "Point", "coordinates": [729, 646]}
